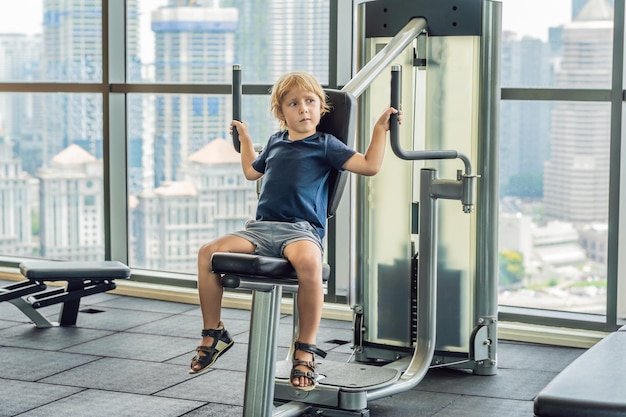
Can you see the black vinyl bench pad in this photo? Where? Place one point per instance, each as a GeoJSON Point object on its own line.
{"type": "Point", "coordinates": [83, 279]}
{"type": "Point", "coordinates": [593, 385]}
{"type": "Point", "coordinates": [66, 271]}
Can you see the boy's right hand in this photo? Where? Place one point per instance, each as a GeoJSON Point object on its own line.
{"type": "Point", "coordinates": [242, 129]}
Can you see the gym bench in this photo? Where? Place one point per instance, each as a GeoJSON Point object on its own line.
{"type": "Point", "coordinates": [592, 385]}
{"type": "Point", "coordinates": [83, 279]}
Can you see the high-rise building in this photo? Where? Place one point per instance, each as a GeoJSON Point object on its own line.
{"type": "Point", "coordinates": [299, 37]}
{"type": "Point", "coordinates": [193, 44]}
{"type": "Point", "coordinates": [21, 113]}
{"type": "Point", "coordinates": [72, 38]}
{"type": "Point", "coordinates": [72, 52]}
{"type": "Point", "coordinates": [15, 204]}
{"type": "Point", "coordinates": [139, 172]}
{"type": "Point", "coordinates": [524, 146]}
{"type": "Point", "coordinates": [576, 177]}
{"type": "Point", "coordinates": [172, 221]}
{"type": "Point", "coordinates": [72, 206]}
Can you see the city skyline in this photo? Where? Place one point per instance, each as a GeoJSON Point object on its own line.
{"type": "Point", "coordinates": [155, 233]}
{"type": "Point", "coordinates": [521, 16]}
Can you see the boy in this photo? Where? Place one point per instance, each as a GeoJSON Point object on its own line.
{"type": "Point", "coordinates": [291, 214]}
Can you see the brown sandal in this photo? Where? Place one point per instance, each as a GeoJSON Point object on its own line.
{"type": "Point", "coordinates": [311, 375]}
{"type": "Point", "coordinates": [221, 343]}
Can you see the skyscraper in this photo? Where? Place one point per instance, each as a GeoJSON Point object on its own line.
{"type": "Point", "coordinates": [72, 52]}
{"type": "Point", "coordinates": [524, 146]}
{"type": "Point", "coordinates": [15, 203]}
{"type": "Point", "coordinates": [21, 113]}
{"type": "Point", "coordinates": [193, 44]}
{"type": "Point", "coordinates": [72, 206]}
{"type": "Point", "coordinates": [72, 37]}
{"type": "Point", "coordinates": [172, 221]}
{"type": "Point", "coordinates": [299, 37]}
{"type": "Point", "coordinates": [576, 177]}
{"type": "Point", "coordinates": [138, 172]}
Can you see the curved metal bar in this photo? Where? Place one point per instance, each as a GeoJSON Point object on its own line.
{"type": "Point", "coordinates": [427, 294]}
{"type": "Point", "coordinates": [394, 135]}
{"type": "Point", "coordinates": [362, 80]}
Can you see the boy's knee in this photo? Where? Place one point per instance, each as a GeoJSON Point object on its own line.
{"type": "Point", "coordinates": [206, 251]}
{"type": "Point", "coordinates": [308, 266]}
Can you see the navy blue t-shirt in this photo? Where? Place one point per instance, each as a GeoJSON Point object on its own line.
{"type": "Point", "coordinates": [294, 186]}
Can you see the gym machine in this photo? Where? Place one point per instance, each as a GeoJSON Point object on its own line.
{"type": "Point", "coordinates": [395, 358]}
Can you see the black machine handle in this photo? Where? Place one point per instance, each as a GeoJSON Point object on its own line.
{"type": "Point", "coordinates": [236, 104]}
{"type": "Point", "coordinates": [396, 99]}
{"type": "Point", "coordinates": [394, 135]}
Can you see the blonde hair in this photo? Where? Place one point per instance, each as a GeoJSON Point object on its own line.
{"type": "Point", "coordinates": [290, 80]}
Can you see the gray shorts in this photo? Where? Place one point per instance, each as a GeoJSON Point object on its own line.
{"type": "Point", "coordinates": [270, 238]}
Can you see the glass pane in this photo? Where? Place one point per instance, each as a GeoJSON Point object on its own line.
{"type": "Point", "coordinates": [51, 176]}
{"type": "Point", "coordinates": [554, 205]}
{"type": "Point", "coordinates": [185, 180]}
{"type": "Point", "coordinates": [51, 41]}
{"type": "Point", "coordinates": [561, 44]}
{"type": "Point", "coordinates": [197, 42]}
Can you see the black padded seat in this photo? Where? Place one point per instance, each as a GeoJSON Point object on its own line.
{"type": "Point", "coordinates": [593, 385]}
{"type": "Point", "coordinates": [237, 266]}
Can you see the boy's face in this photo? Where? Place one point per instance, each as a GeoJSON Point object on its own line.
{"type": "Point", "coordinates": [301, 111]}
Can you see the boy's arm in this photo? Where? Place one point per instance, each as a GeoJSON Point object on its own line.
{"type": "Point", "coordinates": [248, 154]}
{"type": "Point", "coordinates": [370, 162]}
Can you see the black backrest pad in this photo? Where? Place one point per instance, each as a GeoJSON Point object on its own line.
{"type": "Point", "coordinates": [340, 122]}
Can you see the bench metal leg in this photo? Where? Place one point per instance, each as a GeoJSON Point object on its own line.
{"type": "Point", "coordinates": [35, 316]}
{"type": "Point", "coordinates": [69, 310]}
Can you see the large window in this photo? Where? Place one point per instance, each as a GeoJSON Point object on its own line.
{"type": "Point", "coordinates": [555, 156]}
{"type": "Point", "coordinates": [183, 177]}
{"type": "Point", "coordinates": [51, 144]}
{"type": "Point", "coordinates": [124, 152]}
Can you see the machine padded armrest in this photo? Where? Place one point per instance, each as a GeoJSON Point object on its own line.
{"type": "Point", "coordinates": [64, 271]}
{"type": "Point", "coordinates": [592, 385]}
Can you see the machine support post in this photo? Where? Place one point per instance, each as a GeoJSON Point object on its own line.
{"type": "Point", "coordinates": [259, 391]}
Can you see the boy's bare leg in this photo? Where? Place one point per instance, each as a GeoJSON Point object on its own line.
{"type": "Point", "coordinates": [210, 288]}
{"type": "Point", "coordinates": [306, 258]}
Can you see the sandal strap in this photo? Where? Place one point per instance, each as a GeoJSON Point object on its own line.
{"type": "Point", "coordinates": [305, 347]}
{"type": "Point", "coordinates": [206, 349]}
{"type": "Point", "coordinates": [309, 364]}
{"type": "Point", "coordinates": [214, 333]}
{"type": "Point", "coordinates": [296, 373]}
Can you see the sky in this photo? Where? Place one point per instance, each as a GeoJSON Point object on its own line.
{"type": "Point", "coordinates": [526, 17]}
{"type": "Point", "coordinates": [534, 17]}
